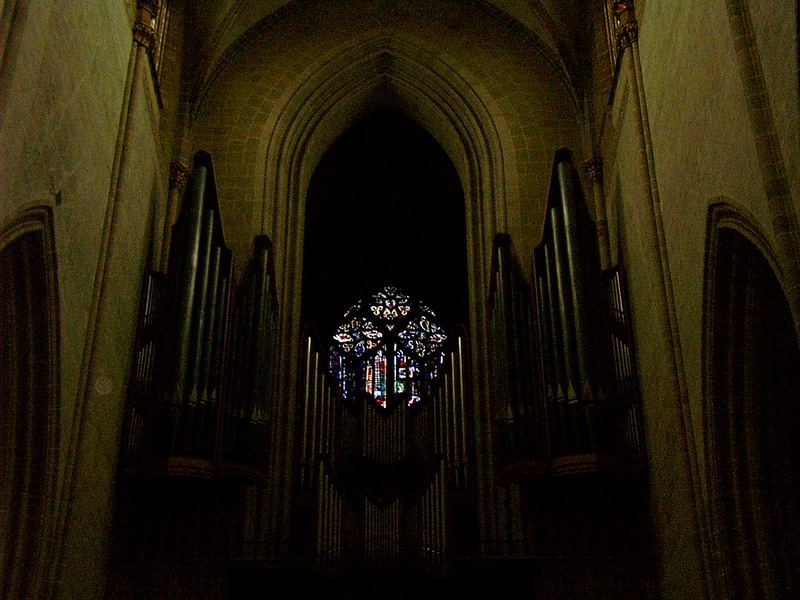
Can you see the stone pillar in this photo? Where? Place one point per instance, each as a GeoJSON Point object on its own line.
{"type": "Point", "coordinates": [593, 168]}
{"type": "Point", "coordinates": [83, 526]}
{"type": "Point", "coordinates": [178, 173]}
{"type": "Point", "coordinates": [694, 530]}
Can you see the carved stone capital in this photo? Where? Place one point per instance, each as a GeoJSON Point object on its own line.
{"type": "Point", "coordinates": [627, 34]}
{"type": "Point", "coordinates": [144, 35]}
{"type": "Point", "coordinates": [593, 168]}
{"type": "Point", "coordinates": [178, 173]}
{"type": "Point", "coordinates": [144, 32]}
{"type": "Point", "coordinates": [625, 22]}
{"type": "Point", "coordinates": [619, 8]}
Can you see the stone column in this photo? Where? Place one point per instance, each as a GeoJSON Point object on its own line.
{"type": "Point", "coordinates": [178, 173]}
{"type": "Point", "coordinates": [82, 525]}
{"type": "Point", "coordinates": [627, 32]}
{"type": "Point", "coordinates": [593, 168]}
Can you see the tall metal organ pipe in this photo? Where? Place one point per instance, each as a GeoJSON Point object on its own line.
{"type": "Point", "coordinates": [572, 312]}
{"type": "Point", "coordinates": [198, 268]}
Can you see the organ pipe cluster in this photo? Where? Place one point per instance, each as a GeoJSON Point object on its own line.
{"type": "Point", "coordinates": [573, 317]}
{"type": "Point", "coordinates": [382, 531]}
{"type": "Point", "coordinates": [319, 415]}
{"type": "Point", "coordinates": [199, 276]}
{"type": "Point", "coordinates": [330, 513]}
{"type": "Point", "coordinates": [425, 445]}
{"type": "Point", "coordinates": [142, 383]}
{"type": "Point", "coordinates": [564, 373]}
{"type": "Point", "coordinates": [626, 378]}
{"type": "Point", "coordinates": [433, 510]}
{"type": "Point", "coordinates": [448, 419]}
{"type": "Point", "coordinates": [251, 366]}
{"type": "Point", "coordinates": [520, 414]}
{"type": "Point", "coordinates": [193, 392]}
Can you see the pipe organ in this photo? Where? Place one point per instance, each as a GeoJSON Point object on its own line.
{"type": "Point", "coordinates": [175, 388]}
{"type": "Point", "coordinates": [139, 420]}
{"type": "Point", "coordinates": [199, 275]}
{"type": "Point", "coordinates": [520, 416]}
{"type": "Point", "coordinates": [198, 409]}
{"type": "Point", "coordinates": [565, 384]}
{"type": "Point", "coordinates": [381, 478]}
{"type": "Point", "coordinates": [384, 448]}
{"type": "Point", "coordinates": [200, 383]}
{"type": "Point", "coordinates": [630, 443]}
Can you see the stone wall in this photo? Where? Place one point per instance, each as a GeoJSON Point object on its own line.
{"type": "Point", "coordinates": [707, 147]}
{"type": "Point", "coordinates": [78, 133]}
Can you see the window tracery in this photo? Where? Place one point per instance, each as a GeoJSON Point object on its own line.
{"type": "Point", "coordinates": [387, 350]}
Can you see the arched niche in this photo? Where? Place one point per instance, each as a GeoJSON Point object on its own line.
{"type": "Point", "coordinates": [29, 403]}
{"type": "Point", "coordinates": [752, 417]}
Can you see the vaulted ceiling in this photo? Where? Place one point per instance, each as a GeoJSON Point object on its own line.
{"type": "Point", "coordinates": [497, 84]}
{"type": "Point", "coordinates": [219, 24]}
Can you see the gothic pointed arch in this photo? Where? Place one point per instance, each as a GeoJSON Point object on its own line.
{"type": "Point", "coordinates": [29, 403]}
{"type": "Point", "coordinates": [751, 361]}
{"type": "Point", "coordinates": [497, 107]}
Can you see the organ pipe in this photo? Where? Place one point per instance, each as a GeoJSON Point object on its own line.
{"type": "Point", "coordinates": [565, 347]}
{"type": "Point", "coordinates": [555, 362]}
{"type": "Point", "coordinates": [516, 379]}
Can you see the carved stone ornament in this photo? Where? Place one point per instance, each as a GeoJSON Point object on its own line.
{"type": "Point", "coordinates": [178, 172]}
{"type": "Point", "coordinates": [144, 32]}
{"type": "Point", "coordinates": [625, 19]}
{"type": "Point", "coordinates": [627, 34]}
{"type": "Point", "coordinates": [144, 35]}
{"type": "Point", "coordinates": [620, 7]}
{"type": "Point", "coordinates": [593, 168]}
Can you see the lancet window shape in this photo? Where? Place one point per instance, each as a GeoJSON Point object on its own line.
{"type": "Point", "coordinates": [387, 350]}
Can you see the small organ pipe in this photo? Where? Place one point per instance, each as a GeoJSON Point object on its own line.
{"type": "Point", "coordinates": [306, 407]}
{"type": "Point", "coordinates": [314, 404]}
{"type": "Point", "coordinates": [262, 329]}
{"type": "Point", "coordinates": [218, 357]}
{"type": "Point", "coordinates": [462, 400]}
{"type": "Point", "coordinates": [320, 515]}
{"type": "Point", "coordinates": [453, 432]}
{"type": "Point", "coordinates": [207, 346]}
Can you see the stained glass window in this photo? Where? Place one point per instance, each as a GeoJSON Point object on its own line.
{"type": "Point", "coordinates": [387, 350]}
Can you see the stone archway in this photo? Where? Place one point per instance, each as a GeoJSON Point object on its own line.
{"type": "Point", "coordinates": [499, 110]}
{"type": "Point", "coordinates": [30, 403]}
{"type": "Point", "coordinates": [753, 457]}
{"type": "Point", "coordinates": [387, 77]}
